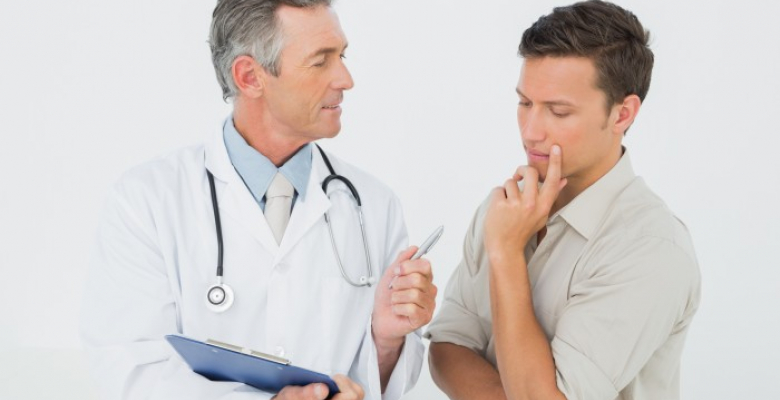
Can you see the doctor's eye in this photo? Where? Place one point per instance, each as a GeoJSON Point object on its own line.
{"type": "Point", "coordinates": [522, 103]}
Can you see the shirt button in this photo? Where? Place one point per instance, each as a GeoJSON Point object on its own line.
{"type": "Point", "coordinates": [279, 351]}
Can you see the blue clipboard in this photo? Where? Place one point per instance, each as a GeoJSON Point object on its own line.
{"type": "Point", "coordinates": [225, 362]}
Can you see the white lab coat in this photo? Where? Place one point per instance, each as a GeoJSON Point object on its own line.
{"type": "Point", "coordinates": [156, 256]}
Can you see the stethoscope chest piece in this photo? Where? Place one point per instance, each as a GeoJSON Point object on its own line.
{"type": "Point", "coordinates": [219, 297]}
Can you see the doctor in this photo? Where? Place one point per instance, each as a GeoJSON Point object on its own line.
{"type": "Point", "coordinates": [281, 61]}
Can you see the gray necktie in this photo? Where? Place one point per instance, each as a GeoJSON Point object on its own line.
{"type": "Point", "coordinates": [278, 202]}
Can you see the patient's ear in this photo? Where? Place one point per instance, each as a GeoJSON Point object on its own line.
{"type": "Point", "coordinates": [625, 113]}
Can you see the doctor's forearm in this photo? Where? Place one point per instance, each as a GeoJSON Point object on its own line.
{"type": "Point", "coordinates": [388, 354]}
{"type": "Point", "coordinates": [463, 374]}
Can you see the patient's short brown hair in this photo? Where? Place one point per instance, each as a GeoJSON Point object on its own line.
{"type": "Point", "coordinates": [612, 37]}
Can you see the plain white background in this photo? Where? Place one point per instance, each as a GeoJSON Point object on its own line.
{"type": "Point", "coordinates": [90, 88]}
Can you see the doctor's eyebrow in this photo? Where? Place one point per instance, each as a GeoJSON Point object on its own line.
{"type": "Point", "coordinates": [548, 103]}
{"type": "Point", "coordinates": [327, 50]}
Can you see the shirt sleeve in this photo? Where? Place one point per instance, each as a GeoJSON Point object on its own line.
{"type": "Point", "coordinates": [365, 368]}
{"type": "Point", "coordinates": [458, 320]}
{"type": "Point", "coordinates": [620, 311]}
{"type": "Point", "coordinates": [129, 306]}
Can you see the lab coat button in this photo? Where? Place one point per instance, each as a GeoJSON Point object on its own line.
{"type": "Point", "coordinates": [279, 351]}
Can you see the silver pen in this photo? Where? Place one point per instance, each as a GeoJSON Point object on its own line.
{"type": "Point", "coordinates": [424, 248]}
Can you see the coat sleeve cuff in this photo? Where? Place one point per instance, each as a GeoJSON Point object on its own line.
{"type": "Point", "coordinates": [365, 370]}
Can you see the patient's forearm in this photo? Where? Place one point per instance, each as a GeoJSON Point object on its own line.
{"type": "Point", "coordinates": [463, 374]}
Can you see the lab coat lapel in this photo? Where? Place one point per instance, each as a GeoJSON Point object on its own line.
{"type": "Point", "coordinates": [307, 212]}
{"type": "Point", "coordinates": [235, 200]}
{"type": "Point", "coordinates": [239, 205]}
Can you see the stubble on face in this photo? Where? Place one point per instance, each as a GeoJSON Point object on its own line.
{"type": "Point", "coordinates": [561, 104]}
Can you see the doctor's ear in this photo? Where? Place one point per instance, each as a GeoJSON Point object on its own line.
{"type": "Point", "coordinates": [249, 76]}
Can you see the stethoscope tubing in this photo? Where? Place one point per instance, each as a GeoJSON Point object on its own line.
{"type": "Point", "coordinates": [219, 297]}
{"type": "Point", "coordinates": [364, 281]}
{"type": "Point", "coordinates": [218, 225]}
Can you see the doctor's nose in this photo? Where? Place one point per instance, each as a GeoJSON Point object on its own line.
{"type": "Point", "coordinates": [343, 79]}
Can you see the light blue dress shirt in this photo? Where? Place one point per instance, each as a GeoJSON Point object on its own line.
{"type": "Point", "coordinates": [257, 171]}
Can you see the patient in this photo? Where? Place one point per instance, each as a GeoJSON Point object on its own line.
{"type": "Point", "coordinates": [577, 281]}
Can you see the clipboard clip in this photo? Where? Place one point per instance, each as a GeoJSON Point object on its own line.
{"type": "Point", "coordinates": [254, 353]}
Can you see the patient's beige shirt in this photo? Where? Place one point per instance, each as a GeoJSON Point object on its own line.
{"type": "Point", "coordinates": [615, 285]}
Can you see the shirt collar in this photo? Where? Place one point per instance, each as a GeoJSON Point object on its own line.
{"type": "Point", "coordinates": [258, 171]}
{"type": "Point", "coordinates": [587, 210]}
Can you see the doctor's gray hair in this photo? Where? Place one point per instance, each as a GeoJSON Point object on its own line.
{"type": "Point", "coordinates": [248, 27]}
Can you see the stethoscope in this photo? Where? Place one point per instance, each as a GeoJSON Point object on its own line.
{"type": "Point", "coordinates": [220, 297]}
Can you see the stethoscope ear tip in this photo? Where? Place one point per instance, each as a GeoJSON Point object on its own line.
{"type": "Point", "coordinates": [367, 281]}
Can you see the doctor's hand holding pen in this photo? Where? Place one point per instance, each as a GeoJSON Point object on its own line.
{"type": "Point", "coordinates": [404, 301]}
